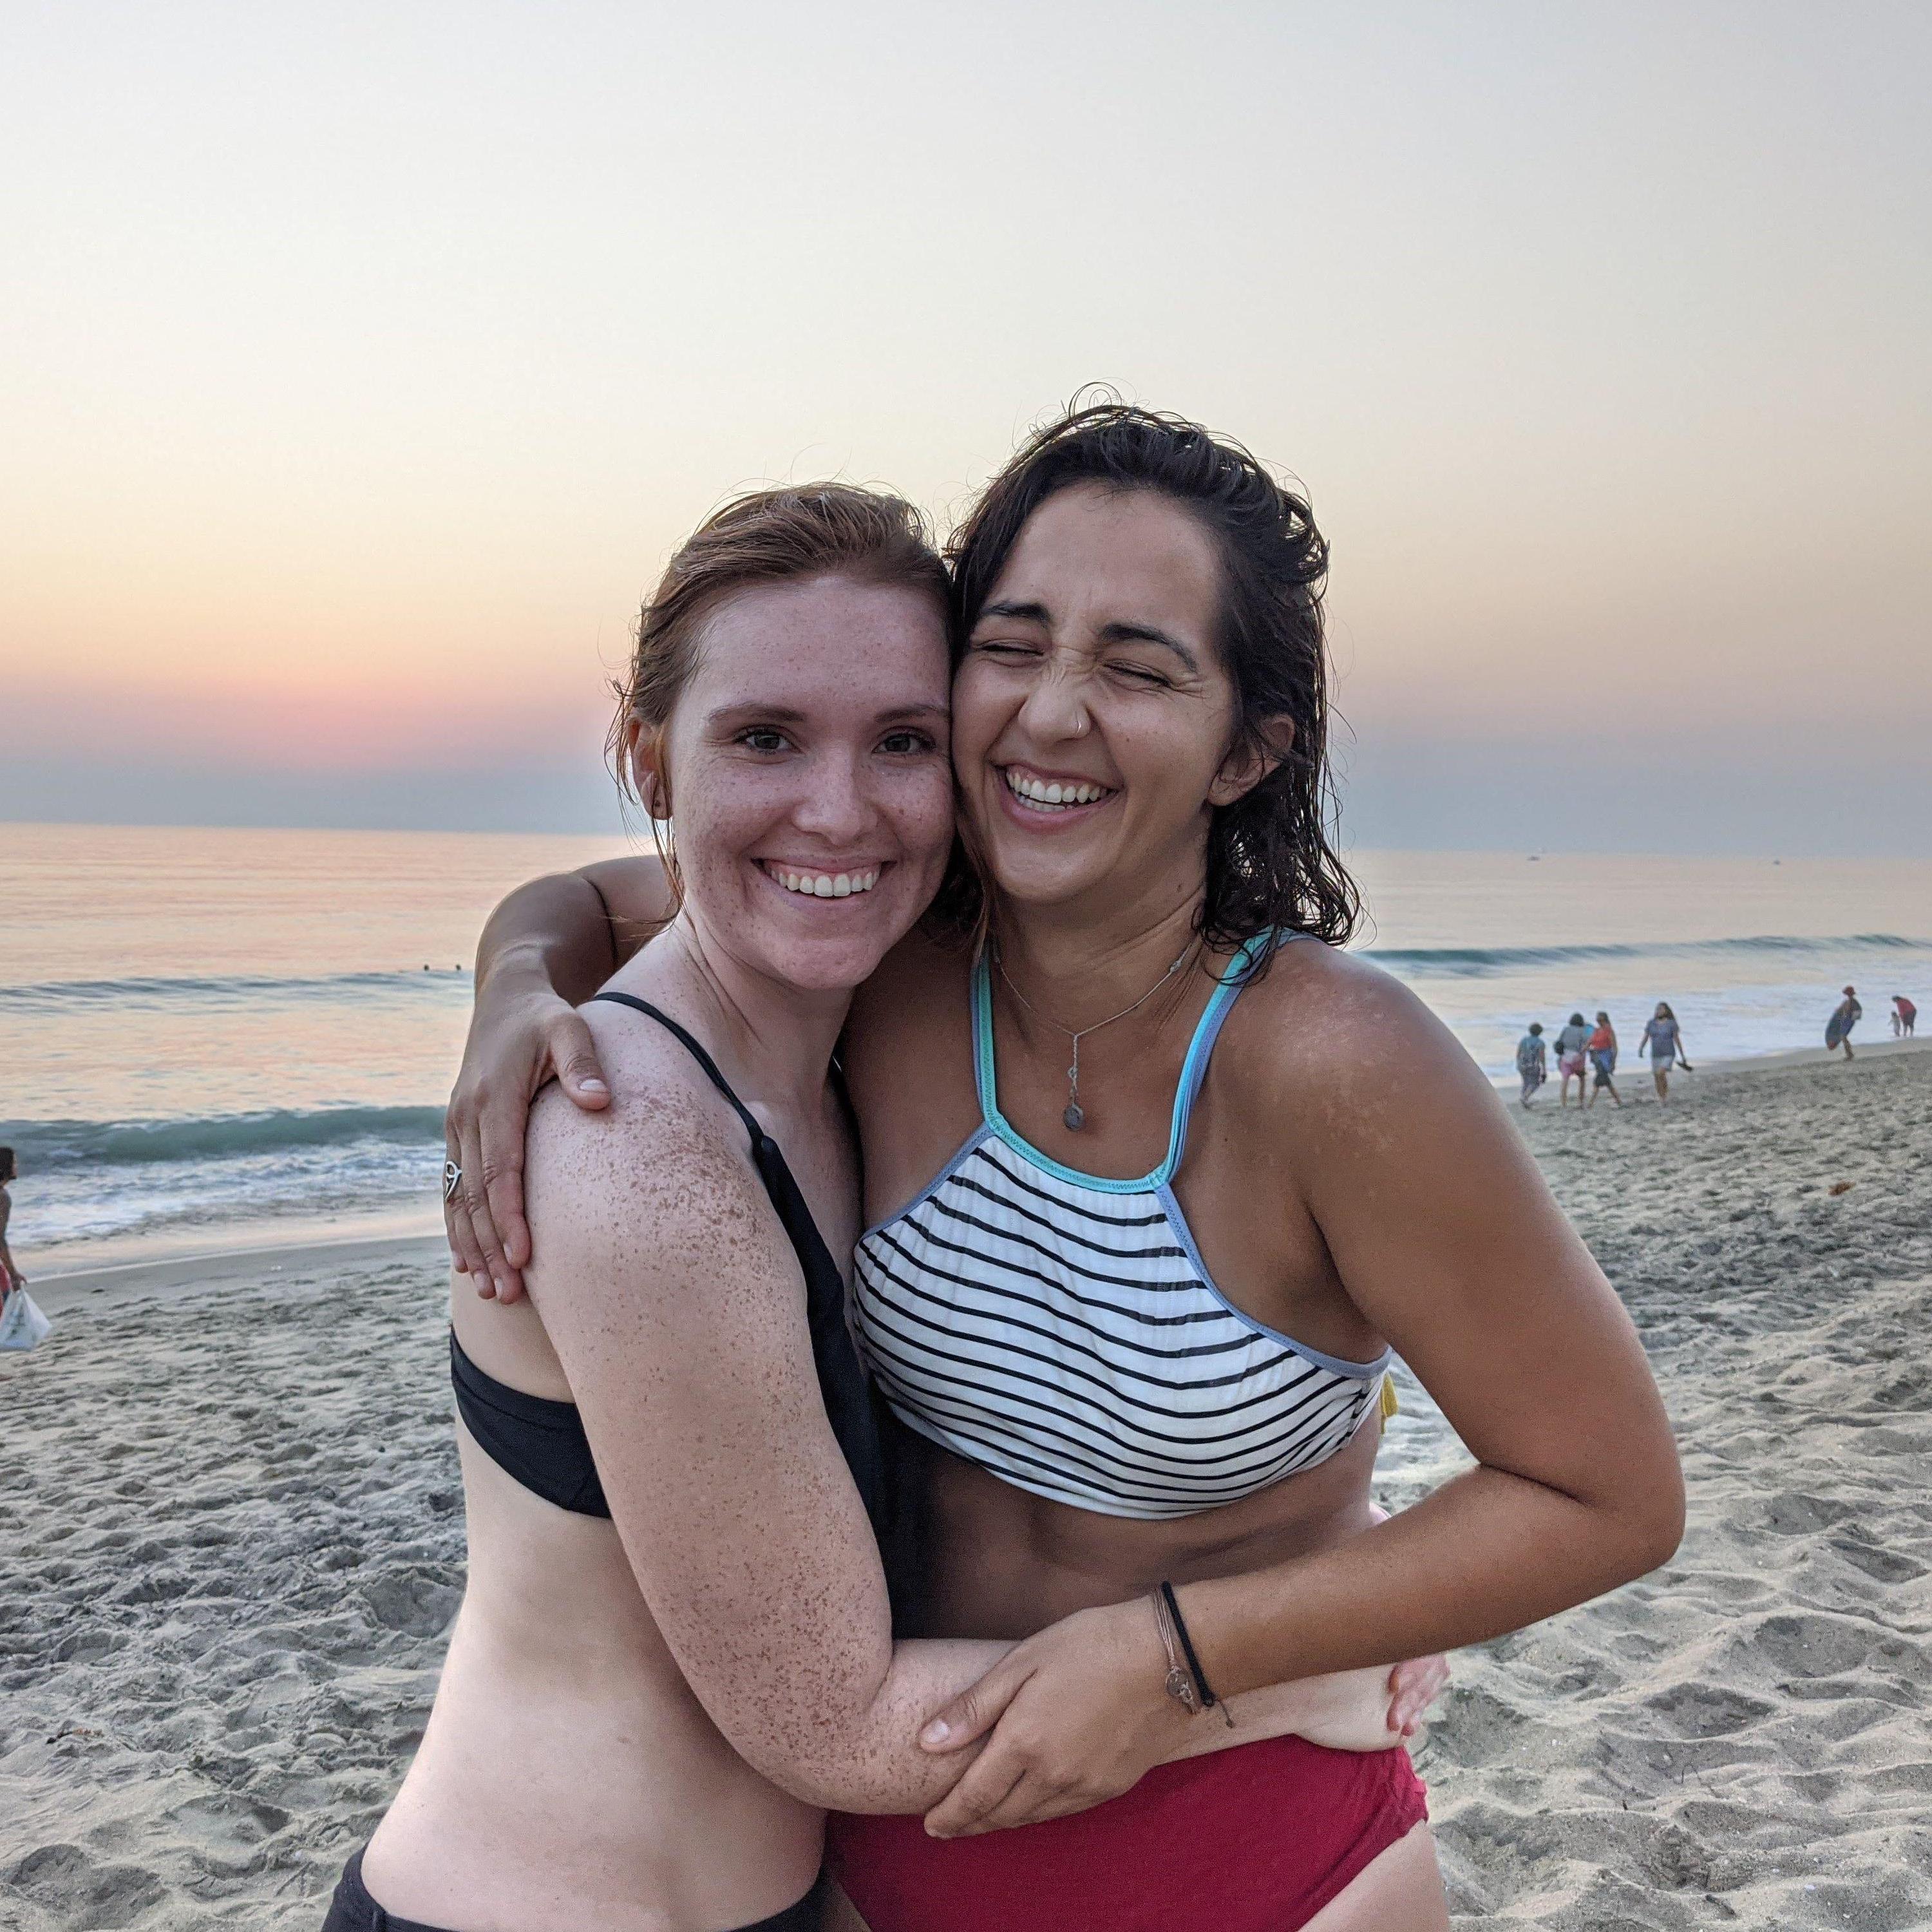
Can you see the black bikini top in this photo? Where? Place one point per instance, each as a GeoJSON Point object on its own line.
{"type": "Point", "coordinates": [542, 1443]}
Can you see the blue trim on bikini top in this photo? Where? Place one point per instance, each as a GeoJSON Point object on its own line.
{"type": "Point", "coordinates": [1193, 1071]}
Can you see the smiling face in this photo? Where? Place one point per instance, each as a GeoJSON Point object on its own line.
{"type": "Point", "coordinates": [806, 764]}
{"type": "Point", "coordinates": [1092, 715]}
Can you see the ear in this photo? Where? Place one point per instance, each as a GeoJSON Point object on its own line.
{"type": "Point", "coordinates": [1258, 756]}
{"type": "Point", "coordinates": [644, 750]}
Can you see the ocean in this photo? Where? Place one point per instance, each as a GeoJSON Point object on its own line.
{"type": "Point", "coordinates": [218, 1038]}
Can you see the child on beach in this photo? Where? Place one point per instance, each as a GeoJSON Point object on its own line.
{"type": "Point", "coordinates": [1602, 1048]}
{"type": "Point", "coordinates": [1570, 1044]}
{"type": "Point", "coordinates": [1531, 1061]}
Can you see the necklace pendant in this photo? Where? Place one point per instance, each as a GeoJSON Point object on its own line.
{"type": "Point", "coordinates": [1074, 1118]}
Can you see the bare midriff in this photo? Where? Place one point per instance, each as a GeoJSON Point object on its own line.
{"type": "Point", "coordinates": [1004, 1563]}
{"type": "Point", "coordinates": [567, 1776]}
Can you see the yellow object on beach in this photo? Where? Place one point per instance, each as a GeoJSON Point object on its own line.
{"type": "Point", "coordinates": [1389, 1406]}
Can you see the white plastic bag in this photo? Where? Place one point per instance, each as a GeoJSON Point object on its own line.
{"type": "Point", "coordinates": [21, 1324]}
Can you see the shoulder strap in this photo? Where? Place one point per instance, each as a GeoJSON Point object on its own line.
{"type": "Point", "coordinates": [980, 1003]}
{"type": "Point", "coordinates": [1235, 976]}
{"type": "Point", "coordinates": [698, 1053]}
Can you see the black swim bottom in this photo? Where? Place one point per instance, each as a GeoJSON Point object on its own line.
{"type": "Point", "coordinates": [353, 1910]}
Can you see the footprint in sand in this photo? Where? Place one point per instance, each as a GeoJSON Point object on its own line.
{"type": "Point", "coordinates": [1706, 1710]}
{"type": "Point", "coordinates": [83, 1895]}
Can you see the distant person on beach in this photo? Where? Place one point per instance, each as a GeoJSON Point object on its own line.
{"type": "Point", "coordinates": [10, 1276]}
{"type": "Point", "coordinates": [1139, 730]}
{"type": "Point", "coordinates": [1532, 1060]}
{"type": "Point", "coordinates": [1663, 1041]}
{"type": "Point", "coordinates": [1571, 1045]}
{"type": "Point", "coordinates": [1845, 1015]}
{"type": "Point", "coordinates": [1904, 1016]}
{"type": "Point", "coordinates": [1602, 1048]}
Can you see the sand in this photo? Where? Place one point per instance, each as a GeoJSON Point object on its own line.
{"type": "Point", "coordinates": [233, 1541]}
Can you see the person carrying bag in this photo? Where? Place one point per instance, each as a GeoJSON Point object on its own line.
{"type": "Point", "coordinates": [22, 1325]}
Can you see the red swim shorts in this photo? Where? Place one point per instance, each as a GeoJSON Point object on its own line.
{"type": "Point", "coordinates": [1256, 1839]}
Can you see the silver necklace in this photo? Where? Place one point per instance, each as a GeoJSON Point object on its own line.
{"type": "Point", "coordinates": [1075, 1118]}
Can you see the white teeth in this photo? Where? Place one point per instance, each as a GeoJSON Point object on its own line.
{"type": "Point", "coordinates": [826, 885]}
{"type": "Point", "coordinates": [1044, 792]}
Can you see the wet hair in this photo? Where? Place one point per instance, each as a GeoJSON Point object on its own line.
{"type": "Point", "coordinates": [769, 536]}
{"type": "Point", "coordinates": [1536, 1026]}
{"type": "Point", "coordinates": [1271, 865]}
{"type": "Point", "coordinates": [789, 535]}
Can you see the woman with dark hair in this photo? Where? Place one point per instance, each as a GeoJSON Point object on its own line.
{"type": "Point", "coordinates": [1154, 1193]}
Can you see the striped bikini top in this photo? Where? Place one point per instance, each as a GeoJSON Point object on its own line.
{"type": "Point", "coordinates": [1061, 1331]}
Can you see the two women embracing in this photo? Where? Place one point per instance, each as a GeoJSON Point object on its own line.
{"type": "Point", "coordinates": [918, 1422]}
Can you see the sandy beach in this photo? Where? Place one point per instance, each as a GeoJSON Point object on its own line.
{"type": "Point", "coordinates": [232, 1542]}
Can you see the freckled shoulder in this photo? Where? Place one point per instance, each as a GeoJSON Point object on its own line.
{"type": "Point", "coordinates": [1324, 1035]}
{"type": "Point", "coordinates": [660, 1175]}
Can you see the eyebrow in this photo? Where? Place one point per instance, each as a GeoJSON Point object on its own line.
{"type": "Point", "coordinates": [765, 714]}
{"type": "Point", "coordinates": [786, 714]}
{"type": "Point", "coordinates": [1146, 634]}
{"type": "Point", "coordinates": [1034, 613]}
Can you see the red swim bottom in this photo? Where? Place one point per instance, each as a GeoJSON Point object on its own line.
{"type": "Point", "coordinates": [1256, 1839]}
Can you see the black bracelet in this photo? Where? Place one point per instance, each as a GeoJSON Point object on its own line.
{"type": "Point", "coordinates": [1208, 1699]}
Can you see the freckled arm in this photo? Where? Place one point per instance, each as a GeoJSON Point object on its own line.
{"type": "Point", "coordinates": [676, 1307]}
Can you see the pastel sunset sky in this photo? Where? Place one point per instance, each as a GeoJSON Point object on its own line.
{"type": "Point", "coordinates": [360, 365]}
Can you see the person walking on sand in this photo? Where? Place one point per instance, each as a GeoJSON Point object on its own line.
{"type": "Point", "coordinates": [10, 1276]}
{"type": "Point", "coordinates": [1904, 1016]}
{"type": "Point", "coordinates": [1664, 1040]}
{"type": "Point", "coordinates": [1570, 1045]}
{"type": "Point", "coordinates": [1844, 1016]}
{"type": "Point", "coordinates": [1532, 1058]}
{"type": "Point", "coordinates": [1602, 1048]}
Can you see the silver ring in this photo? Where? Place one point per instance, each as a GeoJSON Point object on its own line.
{"type": "Point", "coordinates": [452, 1179]}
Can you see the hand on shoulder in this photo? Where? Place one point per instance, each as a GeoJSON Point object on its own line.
{"type": "Point", "coordinates": [661, 1171]}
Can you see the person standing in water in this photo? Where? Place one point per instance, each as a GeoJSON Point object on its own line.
{"type": "Point", "coordinates": [1532, 1060]}
{"type": "Point", "coordinates": [1664, 1040]}
{"type": "Point", "coordinates": [1844, 1016]}
{"type": "Point", "coordinates": [1904, 1016]}
{"type": "Point", "coordinates": [1602, 1051]}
